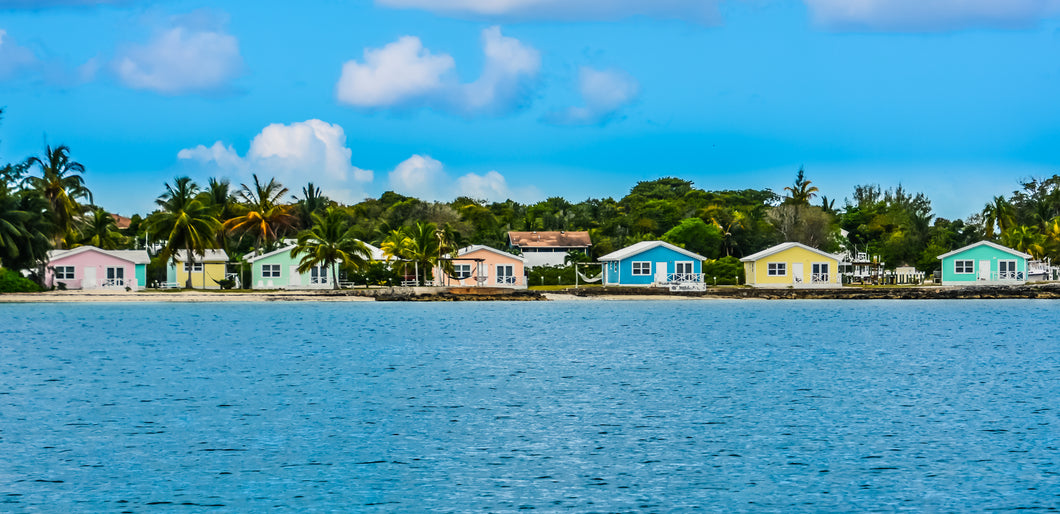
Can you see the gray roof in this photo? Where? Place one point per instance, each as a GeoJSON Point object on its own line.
{"type": "Point", "coordinates": [995, 246]}
{"type": "Point", "coordinates": [133, 256]}
{"type": "Point", "coordinates": [644, 246]}
{"type": "Point", "coordinates": [787, 246]}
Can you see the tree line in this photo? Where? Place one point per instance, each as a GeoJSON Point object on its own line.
{"type": "Point", "coordinates": [45, 204]}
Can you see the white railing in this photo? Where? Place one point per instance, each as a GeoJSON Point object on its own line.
{"type": "Point", "coordinates": [680, 278]}
{"type": "Point", "coordinates": [1010, 275]}
{"type": "Point", "coordinates": [507, 280]}
{"type": "Point", "coordinates": [318, 280]}
{"type": "Point", "coordinates": [819, 278]}
{"type": "Point", "coordinates": [112, 282]}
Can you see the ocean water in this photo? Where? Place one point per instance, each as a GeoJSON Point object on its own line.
{"type": "Point", "coordinates": [669, 406]}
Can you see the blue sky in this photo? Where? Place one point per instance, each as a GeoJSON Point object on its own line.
{"type": "Point", "coordinates": [534, 98]}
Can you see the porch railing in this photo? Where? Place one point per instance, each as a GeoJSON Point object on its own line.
{"type": "Point", "coordinates": [679, 278]}
{"type": "Point", "coordinates": [819, 278]}
{"type": "Point", "coordinates": [1010, 275]}
{"type": "Point", "coordinates": [512, 280]}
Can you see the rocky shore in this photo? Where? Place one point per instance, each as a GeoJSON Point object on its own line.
{"type": "Point", "coordinates": [1044, 291]}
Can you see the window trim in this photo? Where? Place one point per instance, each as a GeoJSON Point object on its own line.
{"type": "Point", "coordinates": [64, 272]}
{"type": "Point", "coordinates": [196, 268]}
{"type": "Point", "coordinates": [273, 273]}
{"type": "Point", "coordinates": [691, 267]}
{"type": "Point", "coordinates": [461, 271]}
{"type": "Point", "coordinates": [776, 269]}
{"type": "Point", "coordinates": [635, 264]}
{"type": "Point", "coordinates": [505, 278]}
{"type": "Point", "coordinates": [964, 264]}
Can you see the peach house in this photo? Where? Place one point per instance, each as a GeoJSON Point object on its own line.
{"type": "Point", "coordinates": [88, 267]}
{"type": "Point", "coordinates": [479, 265]}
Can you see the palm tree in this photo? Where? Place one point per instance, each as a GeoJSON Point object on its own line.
{"type": "Point", "coordinates": [100, 230]}
{"type": "Point", "coordinates": [396, 246]}
{"type": "Point", "coordinates": [312, 201]}
{"type": "Point", "coordinates": [999, 213]}
{"type": "Point", "coordinates": [424, 248]}
{"type": "Point", "coordinates": [185, 222]}
{"type": "Point", "coordinates": [330, 241]}
{"type": "Point", "coordinates": [801, 192]}
{"type": "Point", "coordinates": [266, 218]}
{"type": "Point", "coordinates": [62, 185]}
{"type": "Point", "coordinates": [24, 229]}
{"type": "Point", "coordinates": [1025, 239]}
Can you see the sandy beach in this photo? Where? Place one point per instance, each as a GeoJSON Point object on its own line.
{"type": "Point", "coordinates": [178, 296]}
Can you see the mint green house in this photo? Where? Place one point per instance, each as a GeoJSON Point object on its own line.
{"type": "Point", "coordinates": [278, 270]}
{"type": "Point", "coordinates": [984, 263]}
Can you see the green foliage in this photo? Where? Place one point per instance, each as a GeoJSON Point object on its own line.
{"type": "Point", "coordinates": [12, 282]}
{"type": "Point", "coordinates": [694, 235]}
{"type": "Point", "coordinates": [728, 271]}
{"type": "Point", "coordinates": [227, 283]}
{"type": "Point", "coordinates": [551, 276]}
{"type": "Point", "coordinates": [374, 274]}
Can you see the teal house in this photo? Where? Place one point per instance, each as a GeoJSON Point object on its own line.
{"type": "Point", "coordinates": [654, 264]}
{"type": "Point", "coordinates": [984, 263]}
{"type": "Point", "coordinates": [278, 270]}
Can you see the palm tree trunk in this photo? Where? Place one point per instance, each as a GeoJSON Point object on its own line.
{"type": "Point", "coordinates": [334, 277]}
{"type": "Point", "coordinates": [189, 261]}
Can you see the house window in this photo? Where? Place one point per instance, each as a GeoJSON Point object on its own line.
{"type": "Point", "coordinates": [820, 272]}
{"type": "Point", "coordinates": [505, 274]}
{"type": "Point", "coordinates": [197, 267]}
{"type": "Point", "coordinates": [318, 275]}
{"type": "Point", "coordinates": [461, 271]}
{"type": "Point", "coordinates": [64, 272]}
{"type": "Point", "coordinates": [963, 267]}
{"type": "Point", "coordinates": [1006, 270]}
{"type": "Point", "coordinates": [641, 268]}
{"type": "Point", "coordinates": [270, 270]}
{"type": "Point", "coordinates": [777, 269]}
{"type": "Point", "coordinates": [684, 268]}
{"type": "Point", "coordinates": [115, 276]}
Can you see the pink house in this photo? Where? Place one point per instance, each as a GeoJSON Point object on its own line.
{"type": "Point", "coordinates": [479, 265]}
{"type": "Point", "coordinates": [88, 267]}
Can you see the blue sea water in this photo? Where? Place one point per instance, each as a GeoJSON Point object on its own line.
{"type": "Point", "coordinates": [669, 406]}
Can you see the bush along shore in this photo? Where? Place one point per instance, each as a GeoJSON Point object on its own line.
{"type": "Point", "coordinates": [1041, 291]}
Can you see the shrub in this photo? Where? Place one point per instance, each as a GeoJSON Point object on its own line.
{"type": "Point", "coordinates": [12, 282]}
{"type": "Point", "coordinates": [727, 269]}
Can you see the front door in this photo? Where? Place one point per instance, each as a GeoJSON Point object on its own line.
{"type": "Point", "coordinates": [984, 270]}
{"type": "Point", "coordinates": [660, 273]}
{"type": "Point", "coordinates": [796, 272]}
{"type": "Point", "coordinates": [293, 277]}
{"type": "Point", "coordinates": [89, 281]}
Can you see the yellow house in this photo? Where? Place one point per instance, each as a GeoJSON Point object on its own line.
{"type": "Point", "coordinates": [206, 269]}
{"type": "Point", "coordinates": [791, 265]}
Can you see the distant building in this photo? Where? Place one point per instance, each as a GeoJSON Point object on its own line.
{"type": "Point", "coordinates": [654, 264]}
{"type": "Point", "coordinates": [88, 267]}
{"type": "Point", "coordinates": [791, 265]}
{"type": "Point", "coordinates": [206, 270]}
{"type": "Point", "coordinates": [984, 263]}
{"type": "Point", "coordinates": [278, 270]}
{"type": "Point", "coordinates": [548, 248]}
{"type": "Point", "coordinates": [480, 265]}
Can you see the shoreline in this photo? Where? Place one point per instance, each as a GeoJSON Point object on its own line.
{"type": "Point", "coordinates": [1033, 291]}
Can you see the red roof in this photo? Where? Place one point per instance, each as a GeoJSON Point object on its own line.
{"type": "Point", "coordinates": [561, 239]}
{"type": "Point", "coordinates": [121, 221]}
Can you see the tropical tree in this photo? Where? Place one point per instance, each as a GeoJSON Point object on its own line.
{"type": "Point", "coordinates": [100, 230]}
{"type": "Point", "coordinates": [395, 246]}
{"type": "Point", "coordinates": [422, 244]}
{"type": "Point", "coordinates": [312, 202]}
{"type": "Point", "coordinates": [61, 183]}
{"type": "Point", "coordinates": [185, 222]}
{"type": "Point", "coordinates": [1025, 239]}
{"type": "Point", "coordinates": [801, 192]}
{"type": "Point", "coordinates": [328, 242]}
{"type": "Point", "coordinates": [998, 213]}
{"type": "Point", "coordinates": [266, 218]}
{"type": "Point", "coordinates": [24, 229]}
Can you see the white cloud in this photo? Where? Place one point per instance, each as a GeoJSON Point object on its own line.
{"type": "Point", "coordinates": [699, 11]}
{"type": "Point", "coordinates": [194, 55]}
{"type": "Point", "coordinates": [309, 151]}
{"type": "Point", "coordinates": [425, 178]}
{"type": "Point", "coordinates": [929, 15]}
{"type": "Point", "coordinates": [14, 58]}
{"type": "Point", "coordinates": [604, 93]}
{"type": "Point", "coordinates": [390, 75]}
{"type": "Point", "coordinates": [404, 74]}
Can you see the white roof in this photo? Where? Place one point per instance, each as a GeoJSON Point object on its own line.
{"type": "Point", "coordinates": [644, 246]}
{"type": "Point", "coordinates": [786, 246]}
{"type": "Point", "coordinates": [133, 256]}
{"type": "Point", "coordinates": [375, 253]}
{"type": "Point", "coordinates": [208, 256]}
{"type": "Point", "coordinates": [991, 245]}
{"type": "Point", "coordinates": [474, 248]}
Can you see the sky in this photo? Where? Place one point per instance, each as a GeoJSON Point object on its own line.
{"type": "Point", "coordinates": [526, 99]}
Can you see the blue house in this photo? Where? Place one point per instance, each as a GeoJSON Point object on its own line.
{"type": "Point", "coordinates": [654, 264]}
